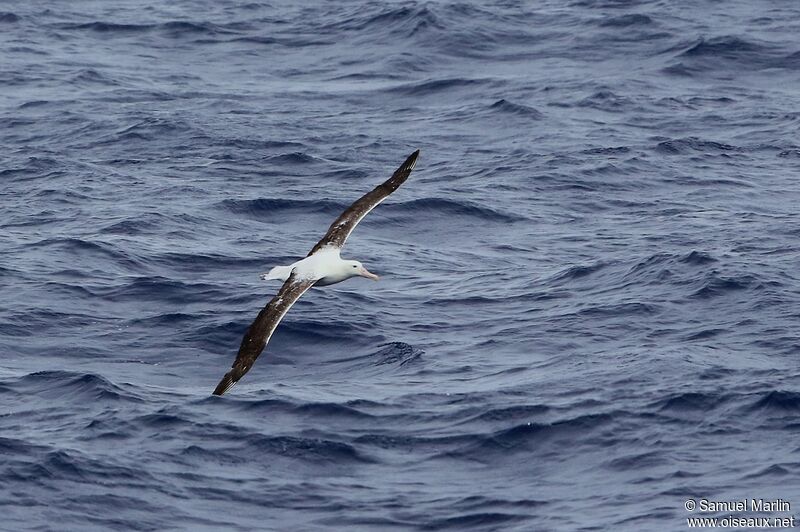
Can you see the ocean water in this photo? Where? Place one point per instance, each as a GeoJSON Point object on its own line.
{"type": "Point", "coordinates": [590, 296]}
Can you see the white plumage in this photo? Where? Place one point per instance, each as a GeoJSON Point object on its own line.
{"type": "Point", "coordinates": [325, 266]}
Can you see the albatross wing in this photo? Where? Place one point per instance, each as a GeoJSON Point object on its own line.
{"type": "Point", "coordinates": [259, 333]}
{"type": "Point", "coordinates": [341, 228]}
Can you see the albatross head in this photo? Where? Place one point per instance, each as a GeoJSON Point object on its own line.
{"type": "Point", "coordinates": [358, 269]}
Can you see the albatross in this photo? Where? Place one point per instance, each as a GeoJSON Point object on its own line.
{"type": "Point", "coordinates": [322, 266]}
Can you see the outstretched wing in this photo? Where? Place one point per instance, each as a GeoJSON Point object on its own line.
{"type": "Point", "coordinates": [341, 228]}
{"type": "Point", "coordinates": [259, 333]}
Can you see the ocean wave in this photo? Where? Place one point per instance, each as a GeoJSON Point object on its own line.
{"type": "Point", "coordinates": [276, 209]}
{"type": "Point", "coordinates": [448, 207]}
{"type": "Point", "coordinates": [776, 401]}
{"type": "Point", "coordinates": [505, 106]}
{"type": "Point", "coordinates": [396, 353]}
{"type": "Point", "coordinates": [174, 28]}
{"type": "Point", "coordinates": [75, 387]}
{"type": "Point", "coordinates": [607, 101]}
{"type": "Point", "coordinates": [698, 258]}
{"type": "Point", "coordinates": [147, 129]}
{"type": "Point", "coordinates": [309, 449]}
{"type": "Point", "coordinates": [328, 329]}
{"type": "Point", "coordinates": [273, 406]}
{"type": "Point", "coordinates": [726, 52]}
{"type": "Point", "coordinates": [576, 272]}
{"type": "Point", "coordinates": [625, 21]}
{"type": "Point", "coordinates": [510, 414]}
{"type": "Point", "coordinates": [724, 46]}
{"type": "Point", "coordinates": [91, 76]}
{"type": "Point", "coordinates": [331, 410]}
{"type": "Point", "coordinates": [776, 472]}
{"type": "Point", "coordinates": [292, 158]}
{"type": "Point", "coordinates": [406, 21]}
{"type": "Point", "coordinates": [157, 288]}
{"type": "Point", "coordinates": [715, 285]}
{"type": "Point", "coordinates": [661, 267]}
{"type": "Point", "coordinates": [477, 520]}
{"type": "Point", "coordinates": [432, 87]}
{"type": "Point", "coordinates": [8, 18]}
{"type": "Point", "coordinates": [691, 401]}
{"type": "Point", "coordinates": [82, 249]}
{"type": "Point", "coordinates": [687, 145]}
{"type": "Point", "coordinates": [75, 466]}
{"type": "Point", "coordinates": [147, 224]}
{"type": "Point", "coordinates": [621, 309]}
{"type": "Point", "coordinates": [34, 168]}
{"type": "Point", "coordinates": [705, 334]}
{"type": "Point", "coordinates": [527, 436]}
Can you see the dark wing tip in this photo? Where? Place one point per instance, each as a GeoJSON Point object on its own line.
{"type": "Point", "coordinates": [402, 173]}
{"type": "Point", "coordinates": [411, 161]}
{"type": "Point", "coordinates": [225, 384]}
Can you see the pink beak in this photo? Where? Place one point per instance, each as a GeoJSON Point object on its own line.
{"type": "Point", "coordinates": [363, 272]}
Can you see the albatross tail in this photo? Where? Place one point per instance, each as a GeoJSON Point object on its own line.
{"type": "Point", "coordinates": [278, 272]}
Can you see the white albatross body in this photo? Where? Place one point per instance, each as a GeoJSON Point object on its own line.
{"type": "Point", "coordinates": [322, 267]}
{"type": "Point", "coordinates": [325, 267]}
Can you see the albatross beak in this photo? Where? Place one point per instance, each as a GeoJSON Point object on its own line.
{"type": "Point", "coordinates": [363, 272]}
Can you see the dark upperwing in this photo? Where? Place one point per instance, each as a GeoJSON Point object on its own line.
{"type": "Point", "coordinates": [260, 331]}
{"type": "Point", "coordinates": [341, 228]}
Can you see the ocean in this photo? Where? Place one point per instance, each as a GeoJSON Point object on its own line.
{"type": "Point", "coordinates": [589, 299]}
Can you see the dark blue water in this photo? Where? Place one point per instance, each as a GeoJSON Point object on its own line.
{"type": "Point", "coordinates": [590, 299]}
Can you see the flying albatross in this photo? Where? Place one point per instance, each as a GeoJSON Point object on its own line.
{"type": "Point", "coordinates": [321, 267]}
